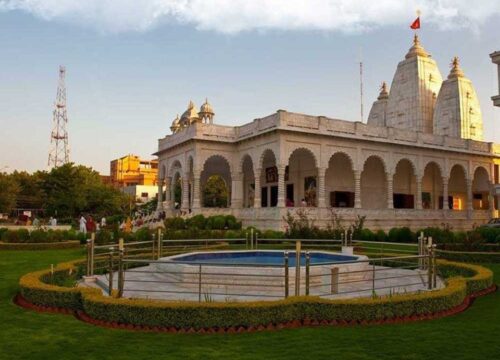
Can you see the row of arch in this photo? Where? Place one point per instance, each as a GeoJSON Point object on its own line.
{"type": "Point", "coordinates": [302, 183]}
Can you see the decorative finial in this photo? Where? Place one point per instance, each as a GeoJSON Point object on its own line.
{"type": "Point", "coordinates": [383, 91]}
{"type": "Point", "coordinates": [456, 71]}
{"type": "Point", "coordinates": [416, 41]}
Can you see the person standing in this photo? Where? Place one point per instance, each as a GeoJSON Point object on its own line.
{"type": "Point", "coordinates": [83, 224]}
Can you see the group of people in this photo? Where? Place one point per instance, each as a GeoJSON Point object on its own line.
{"type": "Point", "coordinates": [87, 224]}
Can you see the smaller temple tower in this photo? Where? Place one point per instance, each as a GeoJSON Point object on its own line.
{"type": "Point", "coordinates": [206, 113]}
{"type": "Point", "coordinates": [457, 112]}
{"type": "Point", "coordinates": [377, 116]}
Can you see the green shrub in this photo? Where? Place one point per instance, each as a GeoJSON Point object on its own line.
{"type": "Point", "coordinates": [38, 236]}
{"type": "Point", "coordinates": [196, 222]}
{"type": "Point", "coordinates": [41, 288]}
{"type": "Point", "coordinates": [219, 222]}
{"type": "Point", "coordinates": [232, 223]}
{"type": "Point", "coordinates": [143, 234]}
{"type": "Point", "coordinates": [381, 235]}
{"type": "Point", "coordinates": [367, 235]}
{"type": "Point", "coordinates": [403, 234]}
{"type": "Point", "coordinates": [175, 223]}
{"type": "Point", "coordinates": [104, 236]}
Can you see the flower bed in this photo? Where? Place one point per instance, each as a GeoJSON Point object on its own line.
{"type": "Point", "coordinates": [464, 281]}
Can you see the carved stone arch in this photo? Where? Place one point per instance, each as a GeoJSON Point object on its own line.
{"type": "Point", "coordinates": [262, 156]}
{"type": "Point", "coordinates": [380, 156]}
{"type": "Point", "coordinates": [412, 160]}
{"type": "Point", "coordinates": [462, 165]}
{"type": "Point", "coordinates": [208, 156]}
{"type": "Point", "coordinates": [242, 159]}
{"type": "Point", "coordinates": [476, 166]}
{"type": "Point", "coordinates": [175, 164]}
{"type": "Point", "coordinates": [350, 154]}
{"type": "Point", "coordinates": [439, 164]}
{"type": "Point", "coordinates": [297, 147]}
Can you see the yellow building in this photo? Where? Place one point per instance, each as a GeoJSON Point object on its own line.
{"type": "Point", "coordinates": [131, 170]}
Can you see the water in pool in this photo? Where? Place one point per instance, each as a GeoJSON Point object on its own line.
{"type": "Point", "coordinates": [262, 258]}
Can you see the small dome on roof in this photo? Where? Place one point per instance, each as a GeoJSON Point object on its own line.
{"type": "Point", "coordinates": [176, 124]}
{"type": "Point", "coordinates": [190, 115]}
{"type": "Point", "coordinates": [206, 108]}
{"type": "Point", "coordinates": [384, 94]}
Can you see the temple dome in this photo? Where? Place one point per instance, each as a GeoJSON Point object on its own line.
{"type": "Point", "coordinates": [176, 124]}
{"type": "Point", "coordinates": [190, 115]}
{"type": "Point", "coordinates": [206, 108]}
{"type": "Point", "coordinates": [417, 49]}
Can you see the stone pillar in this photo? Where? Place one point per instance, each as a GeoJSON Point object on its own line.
{"type": "Point", "coordinates": [321, 187]}
{"type": "Point", "coordinates": [469, 198]}
{"type": "Point", "coordinates": [418, 205]}
{"type": "Point", "coordinates": [357, 189]}
{"type": "Point", "coordinates": [281, 186]}
{"type": "Point", "coordinates": [185, 192]}
{"type": "Point", "coordinates": [168, 193]}
{"type": "Point", "coordinates": [257, 199]}
{"type": "Point", "coordinates": [446, 206]}
{"type": "Point", "coordinates": [196, 190]}
{"type": "Point", "coordinates": [237, 190]}
{"type": "Point", "coordinates": [390, 199]}
{"type": "Point", "coordinates": [159, 196]}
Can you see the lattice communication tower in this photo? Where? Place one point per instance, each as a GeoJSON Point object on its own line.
{"type": "Point", "coordinates": [59, 149]}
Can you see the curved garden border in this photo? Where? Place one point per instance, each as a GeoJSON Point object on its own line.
{"type": "Point", "coordinates": [70, 244]}
{"type": "Point", "coordinates": [89, 305]}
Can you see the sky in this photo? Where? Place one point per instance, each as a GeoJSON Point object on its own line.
{"type": "Point", "coordinates": [131, 66]}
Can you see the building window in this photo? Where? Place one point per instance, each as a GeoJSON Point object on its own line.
{"type": "Point", "coordinates": [144, 195]}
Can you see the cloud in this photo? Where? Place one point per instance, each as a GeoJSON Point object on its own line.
{"type": "Point", "coordinates": [233, 16]}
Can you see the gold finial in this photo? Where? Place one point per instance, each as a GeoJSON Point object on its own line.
{"type": "Point", "coordinates": [416, 41]}
{"type": "Point", "coordinates": [455, 71]}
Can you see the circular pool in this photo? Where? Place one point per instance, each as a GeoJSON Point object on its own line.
{"type": "Point", "coordinates": [259, 257]}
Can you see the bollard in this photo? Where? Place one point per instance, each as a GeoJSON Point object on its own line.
{"type": "Point", "coordinates": [110, 272]}
{"type": "Point", "coordinates": [88, 257]}
{"type": "Point", "coordinates": [308, 261]}
{"type": "Point", "coordinates": [373, 278]}
{"type": "Point", "coordinates": [121, 277]}
{"type": "Point", "coordinates": [429, 264]}
{"type": "Point", "coordinates": [199, 283]}
{"type": "Point", "coordinates": [159, 246]}
{"type": "Point", "coordinates": [297, 267]}
{"type": "Point", "coordinates": [153, 250]}
{"type": "Point", "coordinates": [434, 267]}
{"type": "Point", "coordinates": [286, 275]}
{"type": "Point", "coordinates": [92, 252]}
{"type": "Point", "coordinates": [334, 284]}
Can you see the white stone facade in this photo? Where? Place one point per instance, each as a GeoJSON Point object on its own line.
{"type": "Point", "coordinates": [398, 175]}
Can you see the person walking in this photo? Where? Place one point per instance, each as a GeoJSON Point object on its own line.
{"type": "Point", "coordinates": [83, 225]}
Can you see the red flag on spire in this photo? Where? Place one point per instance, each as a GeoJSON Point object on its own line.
{"type": "Point", "coordinates": [416, 24]}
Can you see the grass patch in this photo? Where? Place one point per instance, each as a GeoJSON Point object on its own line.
{"type": "Point", "coordinates": [25, 334]}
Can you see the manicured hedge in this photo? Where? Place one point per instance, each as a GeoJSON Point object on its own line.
{"type": "Point", "coordinates": [196, 315]}
{"type": "Point", "coordinates": [39, 236]}
{"type": "Point", "coordinates": [470, 256]}
{"type": "Point", "coordinates": [72, 244]}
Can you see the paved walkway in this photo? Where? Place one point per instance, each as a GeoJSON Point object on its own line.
{"type": "Point", "coordinates": [148, 282]}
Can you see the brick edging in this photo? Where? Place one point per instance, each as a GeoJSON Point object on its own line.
{"type": "Point", "coordinates": [81, 315]}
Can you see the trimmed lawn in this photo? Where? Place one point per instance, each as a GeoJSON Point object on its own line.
{"type": "Point", "coordinates": [473, 334]}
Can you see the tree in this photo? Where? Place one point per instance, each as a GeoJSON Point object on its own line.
{"type": "Point", "coordinates": [8, 193]}
{"type": "Point", "coordinates": [31, 195]}
{"type": "Point", "coordinates": [71, 190]}
{"type": "Point", "coordinates": [215, 193]}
